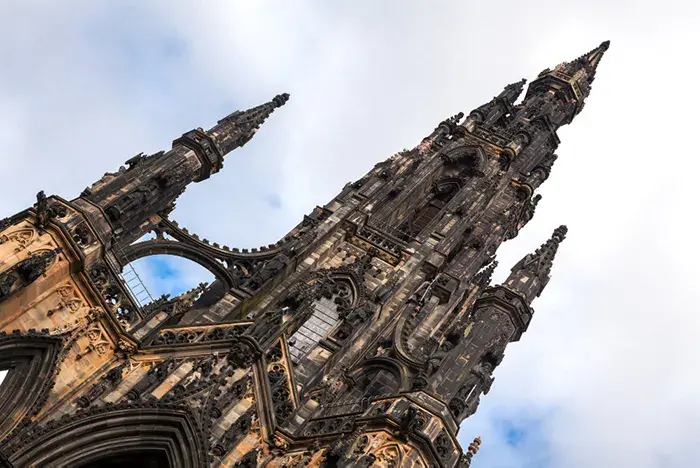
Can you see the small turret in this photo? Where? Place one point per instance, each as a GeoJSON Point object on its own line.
{"type": "Point", "coordinates": [489, 113]}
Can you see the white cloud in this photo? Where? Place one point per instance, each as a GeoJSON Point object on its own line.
{"type": "Point", "coordinates": [612, 347]}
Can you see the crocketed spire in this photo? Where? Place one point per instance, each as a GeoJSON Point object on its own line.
{"type": "Point", "coordinates": [238, 128]}
{"type": "Point", "coordinates": [531, 274]}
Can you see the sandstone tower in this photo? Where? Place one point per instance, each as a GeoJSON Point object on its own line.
{"type": "Point", "coordinates": [363, 338]}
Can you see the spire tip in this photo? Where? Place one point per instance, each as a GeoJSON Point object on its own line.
{"type": "Point", "coordinates": [280, 99]}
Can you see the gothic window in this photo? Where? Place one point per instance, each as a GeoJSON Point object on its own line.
{"type": "Point", "coordinates": [325, 316]}
{"type": "Point", "coordinates": [416, 222]}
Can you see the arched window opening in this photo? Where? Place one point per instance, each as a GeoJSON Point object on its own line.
{"type": "Point", "coordinates": [310, 346]}
{"type": "Point", "coordinates": [325, 316]}
{"type": "Point", "coordinates": [170, 275]}
{"type": "Point", "coordinates": [417, 221]}
{"type": "Point", "coordinates": [172, 282]}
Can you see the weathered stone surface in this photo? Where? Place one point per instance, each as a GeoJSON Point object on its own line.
{"type": "Point", "coordinates": [362, 338]}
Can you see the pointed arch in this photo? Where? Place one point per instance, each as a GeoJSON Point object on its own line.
{"type": "Point", "coordinates": [30, 360]}
{"type": "Point", "coordinates": [165, 247]}
{"type": "Point", "coordinates": [340, 291]}
{"type": "Point", "coordinates": [102, 435]}
{"type": "Point", "coordinates": [416, 222]}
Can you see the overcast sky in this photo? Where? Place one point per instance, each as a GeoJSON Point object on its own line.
{"type": "Point", "coordinates": [607, 374]}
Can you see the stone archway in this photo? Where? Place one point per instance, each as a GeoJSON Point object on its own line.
{"type": "Point", "coordinates": [153, 432]}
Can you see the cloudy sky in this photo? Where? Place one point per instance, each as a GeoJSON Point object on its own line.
{"type": "Point", "coordinates": [607, 375]}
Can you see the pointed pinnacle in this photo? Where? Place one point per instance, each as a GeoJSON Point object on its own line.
{"type": "Point", "coordinates": [512, 91]}
{"type": "Point", "coordinates": [280, 99]}
{"type": "Point", "coordinates": [590, 60]}
{"type": "Point", "coordinates": [514, 88]}
{"type": "Point", "coordinates": [548, 250]}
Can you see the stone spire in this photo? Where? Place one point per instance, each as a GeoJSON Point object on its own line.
{"type": "Point", "coordinates": [588, 62]}
{"type": "Point", "coordinates": [562, 92]}
{"type": "Point", "coordinates": [229, 133]}
{"type": "Point", "coordinates": [531, 274]}
{"type": "Point", "coordinates": [149, 186]}
{"type": "Point", "coordinates": [238, 128]}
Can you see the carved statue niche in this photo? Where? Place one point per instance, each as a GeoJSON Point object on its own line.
{"type": "Point", "coordinates": [411, 422]}
{"type": "Point", "coordinates": [137, 199]}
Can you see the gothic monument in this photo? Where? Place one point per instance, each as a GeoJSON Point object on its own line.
{"type": "Point", "coordinates": [363, 338]}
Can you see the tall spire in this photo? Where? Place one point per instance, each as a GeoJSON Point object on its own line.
{"type": "Point", "coordinates": [229, 133]}
{"type": "Point", "coordinates": [588, 62]}
{"type": "Point", "coordinates": [531, 274]}
{"type": "Point", "coordinates": [238, 128]}
{"type": "Point", "coordinates": [151, 184]}
{"type": "Point", "coordinates": [560, 94]}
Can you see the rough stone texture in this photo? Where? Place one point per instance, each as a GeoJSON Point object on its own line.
{"type": "Point", "coordinates": [362, 338]}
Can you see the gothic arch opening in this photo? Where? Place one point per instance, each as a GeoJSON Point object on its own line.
{"type": "Point", "coordinates": [29, 361]}
{"type": "Point", "coordinates": [419, 219]}
{"type": "Point", "coordinates": [308, 346]}
{"type": "Point", "coordinates": [170, 274]}
{"type": "Point", "coordinates": [179, 284]}
{"type": "Point", "coordinates": [163, 437]}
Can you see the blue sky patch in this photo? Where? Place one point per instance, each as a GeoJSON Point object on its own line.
{"type": "Point", "coordinates": [274, 201]}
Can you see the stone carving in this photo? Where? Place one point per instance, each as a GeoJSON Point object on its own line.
{"type": "Point", "coordinates": [136, 200]}
{"type": "Point", "coordinates": [266, 271]}
{"type": "Point", "coordinates": [68, 300]}
{"type": "Point", "coordinates": [117, 300]}
{"type": "Point", "coordinates": [21, 238]}
{"type": "Point", "coordinates": [26, 271]}
{"type": "Point", "coordinates": [82, 235]}
{"type": "Point", "coordinates": [411, 422]}
{"type": "Point", "coordinates": [97, 341]}
{"type": "Point", "coordinates": [46, 211]}
{"type": "Point", "coordinates": [233, 435]}
{"type": "Point", "coordinates": [443, 445]}
{"type": "Point", "coordinates": [388, 456]}
{"type": "Point", "coordinates": [242, 355]}
{"type": "Point", "coordinates": [199, 334]}
{"type": "Point", "coordinates": [107, 382]}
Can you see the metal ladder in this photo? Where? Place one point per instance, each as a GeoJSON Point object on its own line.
{"type": "Point", "coordinates": [138, 291]}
